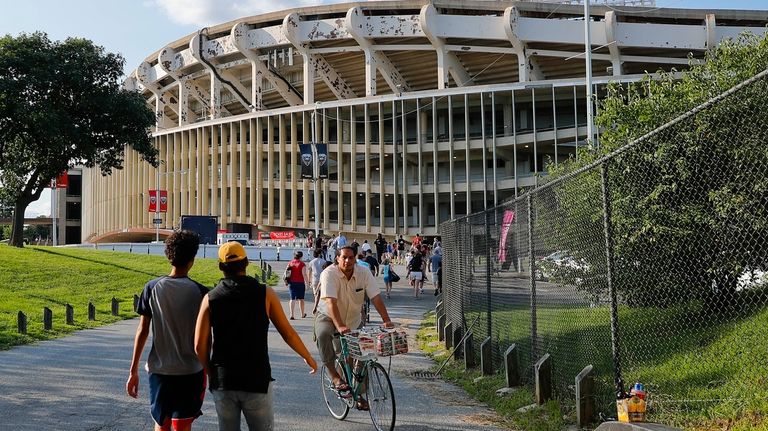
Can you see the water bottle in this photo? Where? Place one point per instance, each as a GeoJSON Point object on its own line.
{"type": "Point", "coordinates": [638, 390]}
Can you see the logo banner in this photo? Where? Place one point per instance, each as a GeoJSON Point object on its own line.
{"type": "Point", "coordinates": [506, 223]}
{"type": "Point", "coordinates": [306, 161]}
{"type": "Point", "coordinates": [153, 204]}
{"type": "Point", "coordinates": [322, 160]}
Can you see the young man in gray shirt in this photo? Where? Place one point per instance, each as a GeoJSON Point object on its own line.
{"type": "Point", "coordinates": [168, 307]}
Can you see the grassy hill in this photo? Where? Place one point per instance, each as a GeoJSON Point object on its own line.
{"type": "Point", "coordinates": [35, 277]}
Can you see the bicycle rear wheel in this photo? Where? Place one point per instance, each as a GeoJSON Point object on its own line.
{"type": "Point", "coordinates": [336, 405]}
{"type": "Point", "coordinates": [381, 398]}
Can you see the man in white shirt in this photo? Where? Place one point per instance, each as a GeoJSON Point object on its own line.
{"type": "Point", "coordinates": [343, 288]}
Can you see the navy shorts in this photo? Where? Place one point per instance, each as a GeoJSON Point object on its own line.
{"type": "Point", "coordinates": [178, 398]}
{"type": "Point", "coordinates": [297, 288]}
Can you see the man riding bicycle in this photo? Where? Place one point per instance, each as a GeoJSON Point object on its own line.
{"type": "Point", "coordinates": [343, 288]}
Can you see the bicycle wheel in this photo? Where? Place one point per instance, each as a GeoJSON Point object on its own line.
{"type": "Point", "coordinates": [336, 405]}
{"type": "Point", "coordinates": [381, 398]}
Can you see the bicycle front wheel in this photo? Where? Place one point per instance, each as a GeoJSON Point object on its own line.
{"type": "Point", "coordinates": [381, 398]}
{"type": "Point", "coordinates": [333, 401]}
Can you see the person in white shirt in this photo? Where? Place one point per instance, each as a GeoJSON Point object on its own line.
{"type": "Point", "coordinates": [343, 288]}
{"type": "Point", "coordinates": [366, 247]}
{"type": "Point", "coordinates": [315, 268]}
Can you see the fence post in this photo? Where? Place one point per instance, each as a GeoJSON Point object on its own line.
{"type": "Point", "coordinates": [486, 360]}
{"type": "Point", "coordinates": [47, 319]}
{"type": "Point", "coordinates": [91, 311]}
{"type": "Point", "coordinates": [488, 308]}
{"type": "Point", "coordinates": [456, 342]}
{"type": "Point", "coordinates": [532, 269]}
{"type": "Point", "coordinates": [440, 327]}
{"type": "Point", "coordinates": [115, 306]}
{"type": "Point", "coordinates": [469, 351]}
{"type": "Point", "coordinates": [543, 371]}
{"type": "Point", "coordinates": [22, 323]}
{"type": "Point", "coordinates": [608, 233]}
{"type": "Point", "coordinates": [448, 331]}
{"type": "Point", "coordinates": [585, 396]}
{"type": "Point", "coordinates": [512, 366]}
{"type": "Point", "coordinates": [70, 314]}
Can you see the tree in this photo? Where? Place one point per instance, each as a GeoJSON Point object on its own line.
{"type": "Point", "coordinates": [61, 104]}
{"type": "Point", "coordinates": [690, 203]}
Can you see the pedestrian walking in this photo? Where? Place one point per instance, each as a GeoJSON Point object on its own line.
{"type": "Point", "coordinates": [168, 308]}
{"type": "Point", "coordinates": [380, 243]}
{"type": "Point", "coordinates": [416, 268]}
{"type": "Point", "coordinates": [297, 283]}
{"type": "Point", "coordinates": [315, 268]}
{"type": "Point", "coordinates": [435, 263]}
{"type": "Point", "coordinates": [236, 315]}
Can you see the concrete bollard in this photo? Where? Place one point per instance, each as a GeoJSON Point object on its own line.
{"type": "Point", "coordinates": [469, 351]}
{"type": "Point", "coordinates": [70, 314]}
{"type": "Point", "coordinates": [486, 357]}
{"type": "Point", "coordinates": [440, 327]}
{"type": "Point", "coordinates": [439, 308]}
{"type": "Point", "coordinates": [47, 319]}
{"type": "Point", "coordinates": [456, 342]}
{"type": "Point", "coordinates": [91, 312]}
{"type": "Point", "coordinates": [22, 323]}
{"type": "Point", "coordinates": [512, 366]}
{"type": "Point", "coordinates": [585, 396]}
{"type": "Point", "coordinates": [448, 331]}
{"type": "Point", "coordinates": [543, 371]}
{"type": "Point", "coordinates": [135, 303]}
{"type": "Point", "coordinates": [115, 306]}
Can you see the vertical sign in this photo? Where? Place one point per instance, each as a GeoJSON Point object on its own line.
{"type": "Point", "coordinates": [163, 201]}
{"type": "Point", "coordinates": [506, 222]}
{"type": "Point", "coordinates": [306, 161]}
{"type": "Point", "coordinates": [322, 160]}
{"type": "Point", "coordinates": [152, 201]}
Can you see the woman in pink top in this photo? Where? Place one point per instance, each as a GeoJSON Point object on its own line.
{"type": "Point", "coordinates": [297, 283]}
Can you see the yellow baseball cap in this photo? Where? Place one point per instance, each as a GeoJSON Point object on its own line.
{"type": "Point", "coordinates": [231, 251]}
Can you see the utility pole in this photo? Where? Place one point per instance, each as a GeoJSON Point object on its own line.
{"type": "Point", "coordinates": [316, 172]}
{"type": "Point", "coordinates": [588, 57]}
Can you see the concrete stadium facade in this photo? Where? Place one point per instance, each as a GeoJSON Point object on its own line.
{"type": "Point", "coordinates": [431, 110]}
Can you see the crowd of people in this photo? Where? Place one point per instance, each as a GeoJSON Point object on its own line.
{"type": "Point", "coordinates": [220, 336]}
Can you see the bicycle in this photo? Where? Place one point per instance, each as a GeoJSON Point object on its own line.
{"type": "Point", "coordinates": [366, 375]}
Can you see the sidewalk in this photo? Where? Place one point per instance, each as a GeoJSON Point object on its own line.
{"type": "Point", "coordinates": [77, 382]}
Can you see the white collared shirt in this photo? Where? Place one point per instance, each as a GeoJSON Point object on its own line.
{"type": "Point", "coordinates": [349, 294]}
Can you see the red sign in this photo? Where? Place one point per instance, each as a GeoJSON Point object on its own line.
{"type": "Point", "coordinates": [278, 235]}
{"type": "Point", "coordinates": [61, 182]}
{"type": "Point", "coordinates": [153, 201]}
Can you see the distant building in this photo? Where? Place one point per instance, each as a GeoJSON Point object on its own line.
{"type": "Point", "coordinates": [431, 109]}
{"type": "Point", "coordinates": [66, 206]}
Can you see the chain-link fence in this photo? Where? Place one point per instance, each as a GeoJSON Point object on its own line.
{"type": "Point", "coordinates": [649, 264]}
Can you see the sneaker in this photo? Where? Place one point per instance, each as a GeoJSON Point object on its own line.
{"type": "Point", "coordinates": [421, 290]}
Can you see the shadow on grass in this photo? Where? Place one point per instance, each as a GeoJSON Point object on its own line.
{"type": "Point", "coordinates": [101, 262]}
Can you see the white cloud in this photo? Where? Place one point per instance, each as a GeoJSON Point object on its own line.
{"type": "Point", "coordinates": [211, 12]}
{"type": "Point", "coordinates": [40, 207]}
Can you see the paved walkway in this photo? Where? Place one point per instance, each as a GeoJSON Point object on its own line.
{"type": "Point", "coordinates": [77, 383]}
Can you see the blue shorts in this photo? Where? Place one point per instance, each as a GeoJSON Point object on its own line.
{"type": "Point", "coordinates": [178, 398]}
{"type": "Point", "coordinates": [297, 288]}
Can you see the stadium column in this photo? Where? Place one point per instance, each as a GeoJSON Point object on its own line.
{"type": "Point", "coordinates": [215, 169]}
{"type": "Point", "coordinates": [243, 172]}
{"type": "Point", "coordinates": [367, 150]}
{"type": "Point", "coordinates": [271, 170]}
{"type": "Point", "coordinates": [223, 175]}
{"type": "Point", "coordinates": [353, 167]}
{"type": "Point", "coordinates": [283, 168]}
{"type": "Point", "coordinates": [257, 192]}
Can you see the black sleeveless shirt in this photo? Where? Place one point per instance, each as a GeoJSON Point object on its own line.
{"type": "Point", "coordinates": [239, 324]}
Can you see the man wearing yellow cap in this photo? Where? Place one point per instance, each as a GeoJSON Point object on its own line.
{"type": "Point", "coordinates": [236, 316]}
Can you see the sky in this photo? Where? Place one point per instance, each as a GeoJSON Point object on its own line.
{"type": "Point", "coordinates": [138, 28]}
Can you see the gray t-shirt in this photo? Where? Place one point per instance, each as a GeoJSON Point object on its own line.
{"type": "Point", "coordinates": [172, 304]}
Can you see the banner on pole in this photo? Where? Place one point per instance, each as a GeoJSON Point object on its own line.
{"type": "Point", "coordinates": [61, 181]}
{"type": "Point", "coordinates": [506, 223]}
{"type": "Point", "coordinates": [306, 161]}
{"type": "Point", "coordinates": [322, 160]}
{"type": "Point", "coordinates": [153, 201]}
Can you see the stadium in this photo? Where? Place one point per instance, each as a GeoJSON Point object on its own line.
{"type": "Point", "coordinates": [430, 110]}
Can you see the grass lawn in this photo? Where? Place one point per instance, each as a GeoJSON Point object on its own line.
{"type": "Point", "coordinates": [35, 277]}
{"type": "Point", "coordinates": [702, 372]}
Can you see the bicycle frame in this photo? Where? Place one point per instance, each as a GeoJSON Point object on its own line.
{"type": "Point", "coordinates": [354, 382]}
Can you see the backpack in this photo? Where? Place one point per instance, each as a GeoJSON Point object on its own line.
{"type": "Point", "coordinates": [287, 274]}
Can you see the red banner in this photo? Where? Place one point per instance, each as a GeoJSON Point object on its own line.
{"type": "Point", "coordinates": [153, 201]}
{"type": "Point", "coordinates": [61, 181]}
{"type": "Point", "coordinates": [282, 235]}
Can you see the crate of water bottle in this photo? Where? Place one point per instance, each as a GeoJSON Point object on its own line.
{"type": "Point", "coordinates": [391, 342]}
{"type": "Point", "coordinates": [360, 344]}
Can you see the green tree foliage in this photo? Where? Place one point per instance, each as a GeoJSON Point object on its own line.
{"type": "Point", "coordinates": [61, 104]}
{"type": "Point", "coordinates": [690, 203]}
